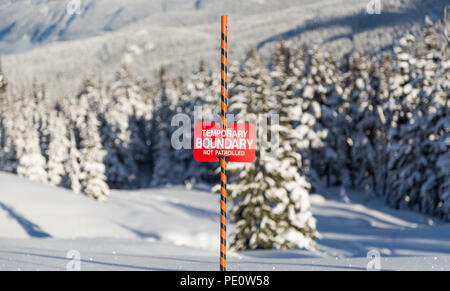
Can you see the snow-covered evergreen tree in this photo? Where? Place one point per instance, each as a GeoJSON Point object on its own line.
{"type": "Point", "coordinates": [12, 141]}
{"type": "Point", "coordinates": [73, 166]}
{"type": "Point", "coordinates": [3, 104]}
{"type": "Point", "coordinates": [271, 198]}
{"type": "Point", "coordinates": [31, 164]}
{"type": "Point", "coordinates": [304, 113]}
{"type": "Point", "coordinates": [58, 150]}
{"type": "Point", "coordinates": [85, 101]}
{"type": "Point", "coordinates": [164, 171]}
{"type": "Point", "coordinates": [420, 125]}
{"type": "Point", "coordinates": [199, 92]}
{"type": "Point", "coordinates": [188, 171]}
{"type": "Point", "coordinates": [203, 90]}
{"type": "Point", "coordinates": [3, 84]}
{"type": "Point", "coordinates": [40, 105]}
{"type": "Point", "coordinates": [362, 110]}
{"type": "Point", "coordinates": [323, 86]}
{"type": "Point", "coordinates": [441, 130]}
{"type": "Point", "coordinates": [92, 155]}
{"type": "Point", "coordinates": [400, 115]}
{"type": "Point", "coordinates": [124, 116]}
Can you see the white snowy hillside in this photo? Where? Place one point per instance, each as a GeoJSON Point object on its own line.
{"type": "Point", "coordinates": [177, 229]}
{"type": "Point", "coordinates": [40, 38]}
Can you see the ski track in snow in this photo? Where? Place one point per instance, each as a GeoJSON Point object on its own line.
{"type": "Point", "coordinates": [171, 228]}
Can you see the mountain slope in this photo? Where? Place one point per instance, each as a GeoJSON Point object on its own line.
{"type": "Point", "coordinates": [40, 40]}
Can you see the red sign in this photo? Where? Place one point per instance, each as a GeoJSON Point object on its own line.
{"type": "Point", "coordinates": [236, 142]}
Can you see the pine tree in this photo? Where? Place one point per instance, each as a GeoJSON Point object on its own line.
{"type": "Point", "coordinates": [431, 114]}
{"type": "Point", "coordinates": [418, 128]}
{"type": "Point", "coordinates": [73, 166]}
{"type": "Point", "coordinates": [92, 152]}
{"type": "Point", "coordinates": [39, 105]}
{"type": "Point", "coordinates": [322, 85]}
{"type": "Point", "coordinates": [202, 90]}
{"type": "Point", "coordinates": [298, 220]}
{"type": "Point", "coordinates": [31, 164]}
{"type": "Point", "coordinates": [304, 113]}
{"type": "Point", "coordinates": [163, 171]}
{"type": "Point", "coordinates": [123, 120]}
{"type": "Point", "coordinates": [3, 86]}
{"type": "Point", "coordinates": [189, 171]}
{"type": "Point", "coordinates": [400, 115]}
{"type": "Point", "coordinates": [12, 129]}
{"type": "Point", "coordinates": [58, 150]}
{"type": "Point", "coordinates": [441, 130]}
{"type": "Point", "coordinates": [88, 99]}
{"type": "Point", "coordinates": [3, 104]}
{"type": "Point", "coordinates": [380, 102]}
{"type": "Point", "coordinates": [199, 92]}
{"type": "Point", "coordinates": [271, 199]}
{"type": "Point", "coordinates": [362, 110]}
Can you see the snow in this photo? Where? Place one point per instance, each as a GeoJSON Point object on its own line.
{"type": "Point", "coordinates": [172, 228]}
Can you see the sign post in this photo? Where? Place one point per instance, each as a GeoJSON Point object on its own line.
{"type": "Point", "coordinates": [223, 162]}
{"type": "Point", "coordinates": [221, 142]}
{"type": "Point", "coordinates": [214, 142]}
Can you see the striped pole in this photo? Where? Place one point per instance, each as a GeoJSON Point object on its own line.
{"type": "Point", "coordinates": [223, 162]}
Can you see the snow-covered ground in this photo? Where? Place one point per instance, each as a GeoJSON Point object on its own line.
{"type": "Point", "coordinates": [172, 228]}
{"type": "Point", "coordinates": [39, 39]}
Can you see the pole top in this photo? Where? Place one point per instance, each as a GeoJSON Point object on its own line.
{"type": "Point", "coordinates": [224, 19]}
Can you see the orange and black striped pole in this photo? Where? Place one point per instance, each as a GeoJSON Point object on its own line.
{"type": "Point", "coordinates": [223, 162]}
